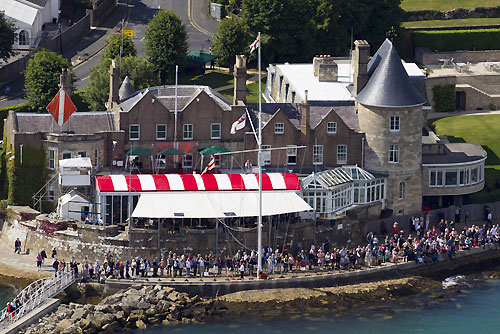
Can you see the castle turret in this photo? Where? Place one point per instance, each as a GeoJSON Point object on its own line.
{"type": "Point", "coordinates": [390, 114]}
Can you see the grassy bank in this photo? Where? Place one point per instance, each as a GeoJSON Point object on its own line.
{"type": "Point", "coordinates": [442, 5]}
{"type": "Point", "coordinates": [452, 23]}
{"type": "Point", "coordinates": [485, 131]}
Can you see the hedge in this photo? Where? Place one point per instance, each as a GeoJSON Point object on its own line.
{"type": "Point", "coordinates": [444, 98]}
{"type": "Point", "coordinates": [4, 112]}
{"type": "Point", "coordinates": [452, 40]}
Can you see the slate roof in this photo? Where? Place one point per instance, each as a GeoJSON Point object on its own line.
{"type": "Point", "coordinates": [166, 95]}
{"type": "Point", "coordinates": [293, 111]}
{"type": "Point", "coordinates": [389, 84]}
{"type": "Point", "coordinates": [126, 89]}
{"type": "Point", "coordinates": [40, 3]}
{"type": "Point", "coordinates": [455, 153]}
{"type": "Point", "coordinates": [80, 122]}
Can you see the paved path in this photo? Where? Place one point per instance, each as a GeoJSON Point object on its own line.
{"type": "Point", "coordinates": [434, 115]}
{"type": "Point", "coordinates": [24, 262]}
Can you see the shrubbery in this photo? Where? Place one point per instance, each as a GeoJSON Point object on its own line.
{"type": "Point", "coordinates": [444, 98]}
{"type": "Point", "coordinates": [452, 40]}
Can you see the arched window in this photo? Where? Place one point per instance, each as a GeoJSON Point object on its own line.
{"type": "Point", "coordinates": [23, 37]}
{"type": "Point", "coordinates": [401, 190]}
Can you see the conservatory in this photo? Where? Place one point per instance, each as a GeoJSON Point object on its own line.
{"type": "Point", "coordinates": [332, 192]}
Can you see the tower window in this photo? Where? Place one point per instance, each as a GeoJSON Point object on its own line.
{"type": "Point", "coordinates": [401, 190]}
{"type": "Point", "coordinates": [394, 153]}
{"type": "Point", "coordinates": [394, 124]}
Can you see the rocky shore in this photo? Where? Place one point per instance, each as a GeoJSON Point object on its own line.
{"type": "Point", "coordinates": [136, 307]}
{"type": "Point", "coordinates": [144, 306]}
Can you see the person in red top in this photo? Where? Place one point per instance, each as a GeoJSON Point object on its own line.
{"type": "Point", "coordinates": [395, 229]}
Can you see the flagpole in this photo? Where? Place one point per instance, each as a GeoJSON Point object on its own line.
{"type": "Point", "coordinates": [259, 229]}
{"type": "Point", "coordinates": [176, 157]}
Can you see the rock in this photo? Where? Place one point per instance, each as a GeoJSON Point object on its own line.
{"type": "Point", "coordinates": [165, 322]}
{"type": "Point", "coordinates": [111, 327]}
{"type": "Point", "coordinates": [143, 305]}
{"type": "Point", "coordinates": [140, 324]}
{"type": "Point", "coordinates": [63, 324]}
{"type": "Point", "coordinates": [151, 311]}
{"type": "Point", "coordinates": [167, 289]}
{"type": "Point", "coordinates": [103, 308]}
{"type": "Point", "coordinates": [136, 286]}
{"type": "Point", "coordinates": [130, 302]}
{"type": "Point", "coordinates": [73, 306]}
{"type": "Point", "coordinates": [162, 294]}
{"type": "Point", "coordinates": [80, 313]}
{"type": "Point", "coordinates": [173, 296]}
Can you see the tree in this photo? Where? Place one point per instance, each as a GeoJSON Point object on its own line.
{"type": "Point", "coordinates": [7, 37]}
{"type": "Point", "coordinates": [166, 43]}
{"type": "Point", "coordinates": [113, 44]}
{"type": "Point", "coordinates": [42, 78]}
{"type": "Point", "coordinates": [285, 27]}
{"type": "Point", "coordinates": [140, 72]}
{"type": "Point", "coordinates": [231, 39]}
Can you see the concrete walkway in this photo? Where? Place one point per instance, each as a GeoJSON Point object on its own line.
{"type": "Point", "coordinates": [22, 264]}
{"type": "Point", "coordinates": [434, 115]}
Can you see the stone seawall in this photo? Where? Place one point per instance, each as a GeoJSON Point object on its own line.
{"type": "Point", "coordinates": [465, 261]}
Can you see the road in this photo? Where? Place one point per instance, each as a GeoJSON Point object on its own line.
{"type": "Point", "coordinates": [136, 14]}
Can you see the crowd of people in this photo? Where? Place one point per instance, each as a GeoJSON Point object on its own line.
{"type": "Point", "coordinates": [423, 245]}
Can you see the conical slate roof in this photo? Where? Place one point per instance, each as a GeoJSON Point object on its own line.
{"type": "Point", "coordinates": [126, 89]}
{"type": "Point", "coordinates": [381, 53]}
{"type": "Point", "coordinates": [389, 85]}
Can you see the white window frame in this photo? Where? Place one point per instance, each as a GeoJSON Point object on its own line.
{"type": "Point", "coordinates": [317, 154]}
{"type": "Point", "coordinates": [52, 159]}
{"type": "Point", "coordinates": [212, 131]}
{"type": "Point", "coordinates": [79, 154]}
{"type": "Point", "coordinates": [333, 129]}
{"type": "Point", "coordinates": [402, 187]}
{"type": "Point", "coordinates": [217, 160]}
{"type": "Point", "coordinates": [185, 161]}
{"type": "Point", "coordinates": [394, 123]}
{"type": "Point", "coordinates": [393, 157]}
{"type": "Point", "coordinates": [186, 130]}
{"type": "Point", "coordinates": [291, 151]}
{"type": "Point", "coordinates": [158, 131]}
{"type": "Point", "coordinates": [138, 132]}
{"type": "Point", "coordinates": [279, 128]}
{"type": "Point", "coordinates": [341, 161]}
{"type": "Point", "coordinates": [266, 152]}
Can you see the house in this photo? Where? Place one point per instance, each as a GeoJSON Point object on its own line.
{"type": "Point", "coordinates": [30, 17]}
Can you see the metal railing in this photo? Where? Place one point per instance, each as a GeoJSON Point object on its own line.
{"type": "Point", "coordinates": [37, 293]}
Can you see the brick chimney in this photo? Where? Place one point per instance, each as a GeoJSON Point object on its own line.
{"type": "Point", "coordinates": [65, 80]}
{"type": "Point", "coordinates": [328, 70]}
{"type": "Point", "coordinates": [305, 122]}
{"type": "Point", "coordinates": [360, 64]}
{"type": "Point", "coordinates": [114, 84]}
{"type": "Point", "coordinates": [240, 79]}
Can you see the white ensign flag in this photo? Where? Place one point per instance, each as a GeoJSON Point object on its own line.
{"type": "Point", "coordinates": [239, 124]}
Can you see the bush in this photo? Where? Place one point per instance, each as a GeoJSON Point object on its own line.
{"type": "Point", "coordinates": [78, 99]}
{"type": "Point", "coordinates": [452, 40]}
{"type": "Point", "coordinates": [444, 98]}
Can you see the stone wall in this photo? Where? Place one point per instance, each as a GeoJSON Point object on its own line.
{"type": "Point", "coordinates": [99, 14]}
{"type": "Point", "coordinates": [70, 36]}
{"type": "Point", "coordinates": [431, 82]}
{"type": "Point", "coordinates": [428, 57]}
{"type": "Point", "coordinates": [11, 71]}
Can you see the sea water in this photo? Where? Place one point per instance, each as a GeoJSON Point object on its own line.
{"type": "Point", "coordinates": [7, 293]}
{"type": "Point", "coordinates": [473, 309]}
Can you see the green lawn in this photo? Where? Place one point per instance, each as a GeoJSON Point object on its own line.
{"type": "Point", "coordinates": [483, 130]}
{"type": "Point", "coordinates": [442, 5]}
{"type": "Point", "coordinates": [212, 78]}
{"type": "Point", "coordinates": [252, 92]}
{"type": "Point", "coordinates": [452, 23]}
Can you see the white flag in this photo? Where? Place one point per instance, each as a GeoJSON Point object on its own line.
{"type": "Point", "coordinates": [239, 124]}
{"type": "Point", "coordinates": [255, 45]}
{"type": "Point", "coordinates": [210, 166]}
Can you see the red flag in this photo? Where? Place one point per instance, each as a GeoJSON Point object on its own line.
{"type": "Point", "coordinates": [61, 107]}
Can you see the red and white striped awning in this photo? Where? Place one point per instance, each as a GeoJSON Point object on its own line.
{"type": "Point", "coordinates": [196, 182]}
